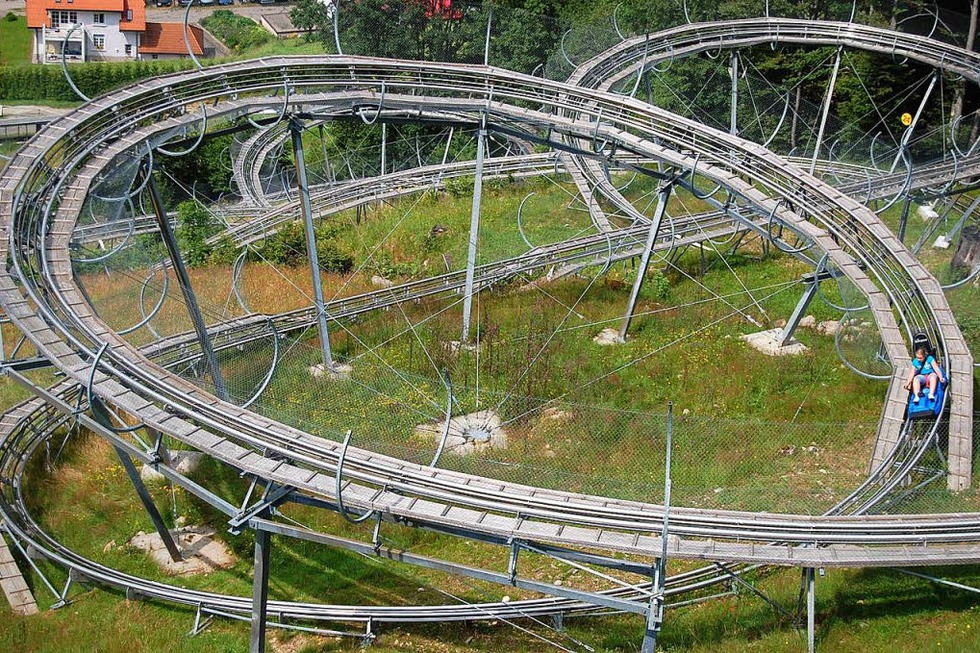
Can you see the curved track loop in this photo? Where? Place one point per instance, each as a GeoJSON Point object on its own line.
{"type": "Point", "coordinates": [67, 332]}
{"type": "Point", "coordinates": [635, 55]}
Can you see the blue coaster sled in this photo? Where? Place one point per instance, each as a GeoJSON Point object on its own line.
{"type": "Point", "coordinates": [926, 407]}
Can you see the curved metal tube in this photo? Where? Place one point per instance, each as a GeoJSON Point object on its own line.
{"type": "Point", "coordinates": [643, 63]}
{"type": "Point", "coordinates": [282, 111]}
{"type": "Point", "coordinates": [336, 26]}
{"type": "Point", "coordinates": [131, 194]}
{"type": "Point", "coordinates": [236, 274]}
{"type": "Point", "coordinates": [776, 240]}
{"type": "Point", "coordinates": [851, 366]}
{"type": "Point", "coordinates": [561, 46]}
{"type": "Point", "coordinates": [962, 282]}
{"type": "Point", "coordinates": [520, 226]}
{"type": "Point", "coordinates": [92, 399]}
{"type": "Point", "coordinates": [200, 136]}
{"type": "Point", "coordinates": [156, 309]}
{"type": "Point", "coordinates": [905, 185]}
{"type": "Point", "coordinates": [871, 151]}
{"type": "Point", "coordinates": [449, 416]}
{"type": "Point", "coordinates": [381, 102]}
{"type": "Point", "coordinates": [616, 22]}
{"type": "Point", "coordinates": [187, 41]}
{"type": "Point", "coordinates": [952, 138]}
{"type": "Point", "coordinates": [779, 125]}
{"type": "Point", "coordinates": [694, 189]}
{"type": "Point", "coordinates": [339, 481]}
{"type": "Point", "coordinates": [64, 64]}
{"type": "Point", "coordinates": [821, 266]}
{"type": "Point", "coordinates": [115, 250]}
{"type": "Point", "coordinates": [272, 371]}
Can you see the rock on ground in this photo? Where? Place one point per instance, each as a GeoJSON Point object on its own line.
{"type": "Point", "coordinates": [202, 553]}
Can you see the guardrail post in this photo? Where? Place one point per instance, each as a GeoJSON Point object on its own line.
{"type": "Point", "coordinates": [190, 299]}
{"type": "Point", "coordinates": [641, 273]}
{"type": "Point", "coordinates": [296, 131]}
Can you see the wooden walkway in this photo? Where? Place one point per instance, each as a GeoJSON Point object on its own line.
{"type": "Point", "coordinates": [13, 584]}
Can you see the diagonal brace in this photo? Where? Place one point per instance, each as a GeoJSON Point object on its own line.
{"type": "Point", "coordinates": [272, 497]}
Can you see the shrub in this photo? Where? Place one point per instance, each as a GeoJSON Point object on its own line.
{"type": "Point", "coordinates": [237, 32]}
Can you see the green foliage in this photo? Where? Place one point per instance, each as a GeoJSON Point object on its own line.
{"type": "Point", "coordinates": [207, 168]}
{"type": "Point", "coordinates": [195, 226]}
{"type": "Point", "coordinates": [239, 33]}
{"type": "Point", "coordinates": [656, 285]}
{"type": "Point", "coordinates": [288, 247]}
{"type": "Point", "coordinates": [459, 186]}
{"type": "Point", "coordinates": [334, 256]}
{"type": "Point", "coordinates": [47, 83]}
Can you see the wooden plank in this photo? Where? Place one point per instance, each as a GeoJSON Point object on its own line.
{"type": "Point", "coordinates": [13, 584]}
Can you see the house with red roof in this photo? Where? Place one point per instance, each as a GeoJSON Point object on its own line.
{"type": "Point", "coordinates": [105, 30]}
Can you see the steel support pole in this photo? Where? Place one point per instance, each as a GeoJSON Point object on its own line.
{"type": "Point", "coordinates": [658, 216]}
{"type": "Point", "coordinates": [801, 306]}
{"type": "Point", "coordinates": [260, 591]}
{"type": "Point", "coordinates": [296, 132]}
{"type": "Point", "coordinates": [904, 221]}
{"type": "Point", "coordinates": [474, 230]}
{"type": "Point", "coordinates": [826, 110]}
{"type": "Point", "coordinates": [907, 136]}
{"type": "Point", "coordinates": [384, 147]}
{"type": "Point", "coordinates": [655, 611]}
{"type": "Point", "coordinates": [190, 299]}
{"type": "Point", "coordinates": [486, 49]}
{"type": "Point", "coordinates": [733, 125]}
{"type": "Point", "coordinates": [148, 505]}
{"type": "Point", "coordinates": [810, 611]}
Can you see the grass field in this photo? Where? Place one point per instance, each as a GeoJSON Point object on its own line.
{"type": "Point", "coordinates": [15, 41]}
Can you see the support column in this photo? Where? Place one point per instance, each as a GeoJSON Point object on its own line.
{"type": "Point", "coordinates": [474, 229]}
{"type": "Point", "coordinates": [826, 109]}
{"type": "Point", "coordinates": [101, 414]}
{"type": "Point", "coordinates": [655, 611]}
{"type": "Point", "coordinates": [260, 591]}
{"type": "Point", "coordinates": [810, 611]}
{"type": "Point", "coordinates": [190, 299]}
{"type": "Point", "coordinates": [148, 505]}
{"type": "Point", "coordinates": [733, 125]}
{"type": "Point", "coordinates": [907, 135]}
{"type": "Point", "coordinates": [296, 131]}
{"type": "Point", "coordinates": [384, 147]}
{"type": "Point", "coordinates": [658, 216]}
{"type": "Point", "coordinates": [904, 221]}
{"type": "Point", "coordinates": [794, 320]}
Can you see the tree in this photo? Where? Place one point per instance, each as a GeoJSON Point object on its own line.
{"type": "Point", "coordinates": [314, 17]}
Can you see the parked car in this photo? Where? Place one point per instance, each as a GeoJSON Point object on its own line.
{"type": "Point", "coordinates": [206, 3]}
{"type": "Point", "coordinates": [164, 3]}
{"type": "Point", "coordinates": [226, 2]}
{"type": "Point", "coordinates": [184, 3]}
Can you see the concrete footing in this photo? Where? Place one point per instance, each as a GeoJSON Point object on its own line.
{"type": "Point", "coordinates": [768, 342]}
